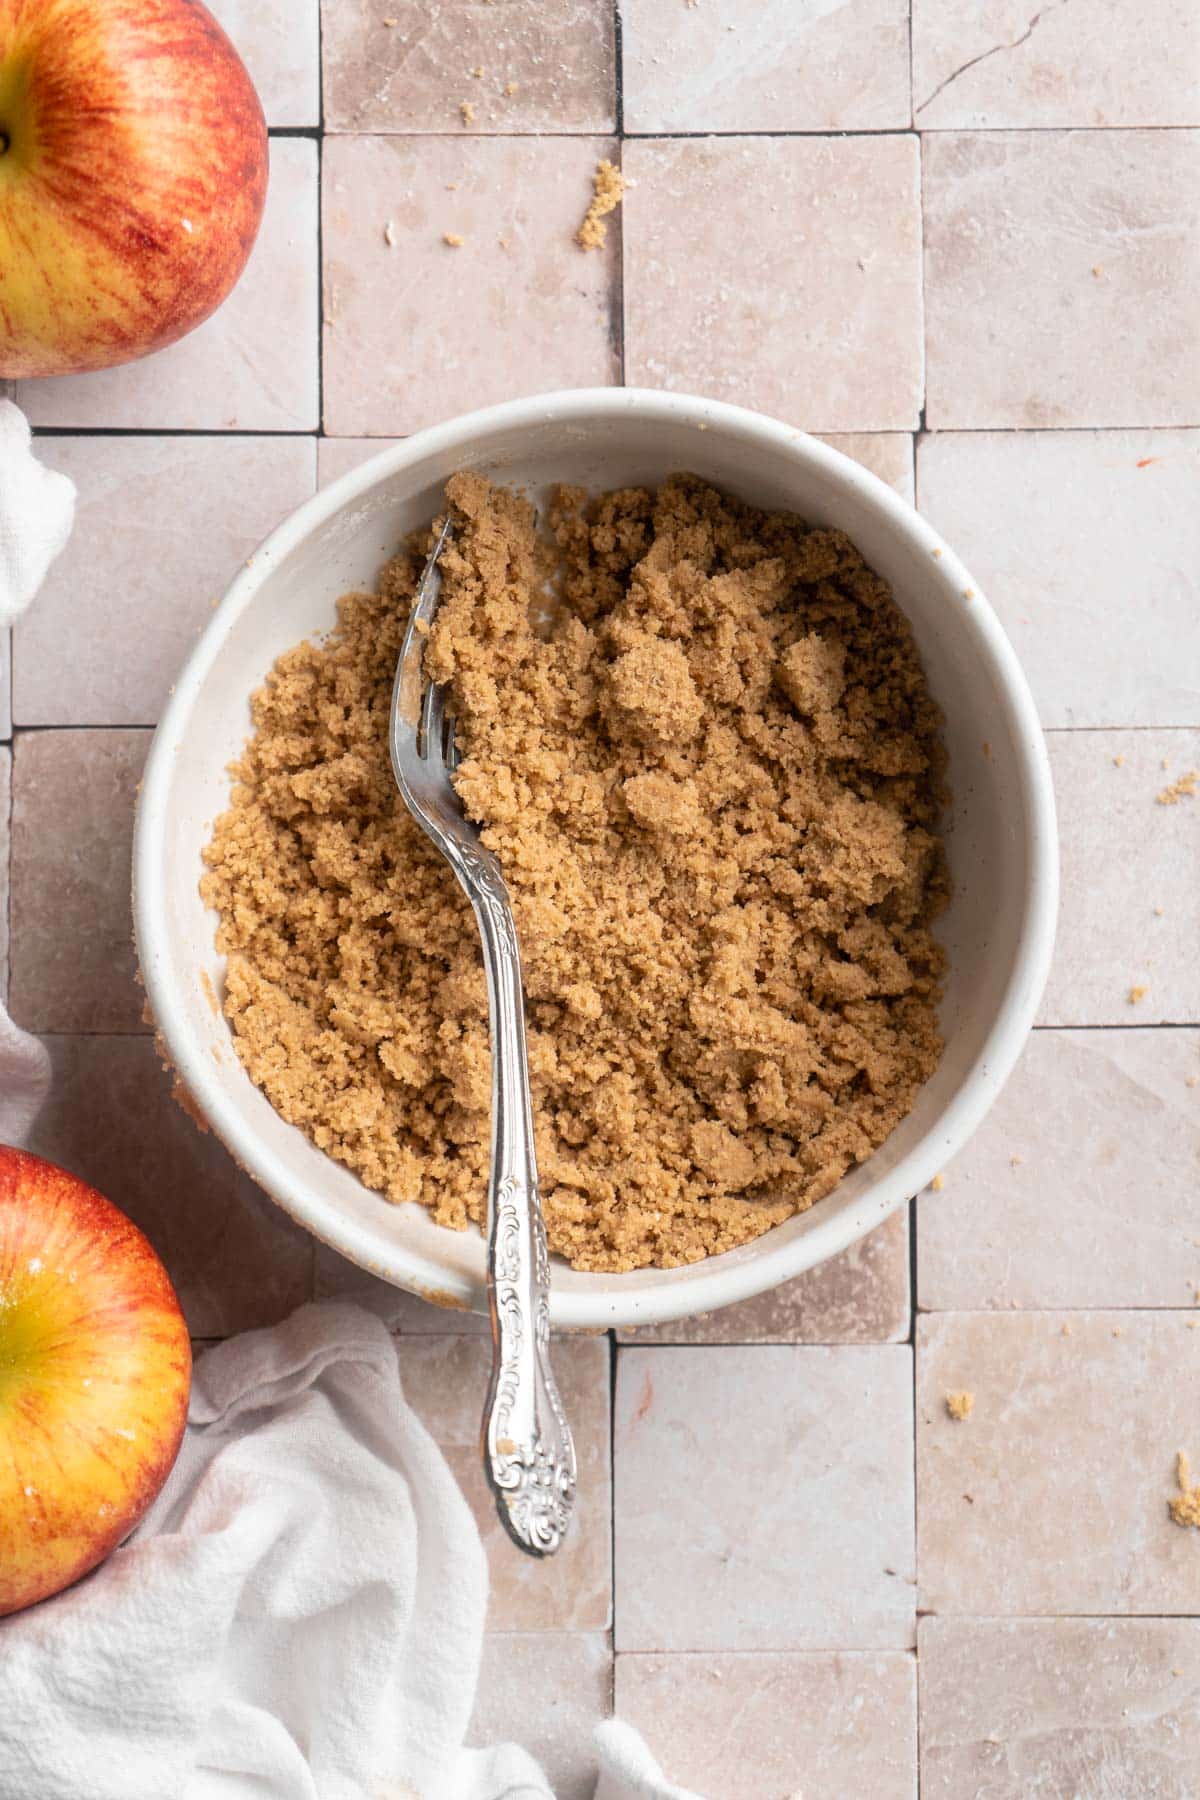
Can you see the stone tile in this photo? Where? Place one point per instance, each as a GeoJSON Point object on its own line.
{"type": "Point", "coordinates": [72, 962]}
{"type": "Point", "coordinates": [252, 366]}
{"type": "Point", "coordinates": [546, 1691]}
{"type": "Point", "coordinates": [774, 1727]}
{"type": "Point", "coordinates": [888, 454]}
{"type": "Point", "coordinates": [5, 849]}
{"type": "Point", "coordinates": [1079, 1187]}
{"type": "Point", "coordinates": [742, 66]}
{"type": "Point", "coordinates": [1123, 855]}
{"type": "Point", "coordinates": [859, 1297]}
{"type": "Point", "coordinates": [413, 74]}
{"type": "Point", "coordinates": [280, 43]}
{"type": "Point", "coordinates": [764, 1498]}
{"type": "Point", "coordinates": [806, 305]}
{"type": "Point", "coordinates": [1052, 1497]}
{"type": "Point", "coordinates": [1060, 278]}
{"type": "Point", "coordinates": [405, 1314]}
{"type": "Point", "coordinates": [986, 62]}
{"type": "Point", "coordinates": [415, 330]}
{"type": "Point", "coordinates": [1060, 1706]}
{"type": "Point", "coordinates": [445, 1379]}
{"type": "Point", "coordinates": [134, 583]}
{"type": "Point", "coordinates": [236, 1260]}
{"type": "Point", "coordinates": [337, 456]}
{"type": "Point", "coordinates": [1060, 528]}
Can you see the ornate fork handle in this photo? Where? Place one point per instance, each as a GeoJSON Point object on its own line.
{"type": "Point", "coordinates": [528, 1455]}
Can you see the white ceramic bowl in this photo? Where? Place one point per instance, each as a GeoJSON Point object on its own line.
{"type": "Point", "coordinates": [1000, 832]}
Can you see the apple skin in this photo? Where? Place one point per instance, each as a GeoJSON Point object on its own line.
{"type": "Point", "coordinates": [133, 172]}
{"type": "Point", "coordinates": [95, 1370]}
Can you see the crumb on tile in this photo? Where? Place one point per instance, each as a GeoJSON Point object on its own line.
{"type": "Point", "coordinates": [1144, 462]}
{"type": "Point", "coordinates": [479, 72]}
{"type": "Point", "coordinates": [987, 750]}
{"type": "Point", "coordinates": [1137, 994]}
{"type": "Point", "coordinates": [467, 112]}
{"type": "Point", "coordinates": [607, 189]}
{"type": "Point", "coordinates": [503, 242]}
{"type": "Point", "coordinates": [1192, 1081]}
{"type": "Point", "coordinates": [1183, 789]}
{"type": "Point", "coordinates": [389, 232]}
{"type": "Point", "coordinates": [1118, 762]}
{"type": "Point", "coordinates": [937, 1184]}
{"type": "Point", "coordinates": [1097, 271]}
{"type": "Point", "coordinates": [1165, 763]}
{"type": "Point", "coordinates": [390, 22]}
{"type": "Point", "coordinates": [960, 1403]}
{"type": "Point", "coordinates": [1117, 1331]}
{"type": "Point", "coordinates": [1015, 1160]}
{"type": "Point", "coordinates": [1185, 1507]}
{"type": "Point", "coordinates": [1158, 912]}
{"type": "Point", "coordinates": [511, 88]}
{"type": "Point", "coordinates": [1066, 1330]}
{"type": "Point", "coordinates": [453, 240]}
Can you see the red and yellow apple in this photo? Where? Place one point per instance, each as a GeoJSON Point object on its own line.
{"type": "Point", "coordinates": [95, 1368]}
{"type": "Point", "coordinates": [133, 171]}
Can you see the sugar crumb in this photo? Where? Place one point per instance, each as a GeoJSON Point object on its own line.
{"type": "Point", "coordinates": [1118, 762]}
{"type": "Point", "coordinates": [1183, 789]}
{"type": "Point", "coordinates": [511, 88]}
{"type": "Point", "coordinates": [1137, 995]}
{"type": "Point", "coordinates": [607, 188]}
{"type": "Point", "coordinates": [1185, 1507]}
{"type": "Point", "coordinates": [960, 1403]}
{"type": "Point", "coordinates": [467, 112]}
{"type": "Point", "coordinates": [453, 239]}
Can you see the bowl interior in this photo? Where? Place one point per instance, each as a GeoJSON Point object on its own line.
{"type": "Point", "coordinates": [999, 829]}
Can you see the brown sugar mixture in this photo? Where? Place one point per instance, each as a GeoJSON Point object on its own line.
{"type": "Point", "coordinates": [711, 771]}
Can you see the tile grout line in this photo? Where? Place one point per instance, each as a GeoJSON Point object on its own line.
{"type": "Point", "coordinates": [921, 431]}
{"type": "Point", "coordinates": [833, 131]}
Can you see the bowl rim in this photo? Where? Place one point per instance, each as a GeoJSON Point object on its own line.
{"type": "Point", "coordinates": [719, 1281]}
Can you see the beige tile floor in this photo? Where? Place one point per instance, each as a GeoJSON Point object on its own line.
{"type": "Point", "coordinates": [798, 1557]}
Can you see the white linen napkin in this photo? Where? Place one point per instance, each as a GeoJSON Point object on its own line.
{"type": "Point", "coordinates": [37, 507]}
{"type": "Point", "coordinates": [299, 1617]}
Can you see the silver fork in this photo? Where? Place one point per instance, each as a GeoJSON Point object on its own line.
{"type": "Point", "coordinates": [528, 1455]}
